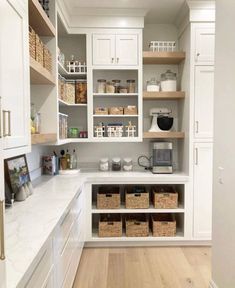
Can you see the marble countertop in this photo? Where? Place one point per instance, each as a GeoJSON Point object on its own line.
{"type": "Point", "coordinates": [29, 224]}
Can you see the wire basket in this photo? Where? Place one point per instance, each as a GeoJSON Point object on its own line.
{"type": "Point", "coordinates": [162, 46]}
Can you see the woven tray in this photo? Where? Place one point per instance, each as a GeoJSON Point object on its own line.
{"type": "Point", "coordinates": [137, 225]}
{"type": "Point", "coordinates": [163, 225]}
{"type": "Point", "coordinates": [110, 225]}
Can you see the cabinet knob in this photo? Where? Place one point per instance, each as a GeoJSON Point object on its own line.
{"type": "Point", "coordinates": [112, 60]}
{"type": "Point", "coordinates": [117, 59]}
{"type": "Point", "coordinates": [197, 127]}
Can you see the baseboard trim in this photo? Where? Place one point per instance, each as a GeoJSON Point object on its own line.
{"type": "Point", "coordinates": [212, 284]}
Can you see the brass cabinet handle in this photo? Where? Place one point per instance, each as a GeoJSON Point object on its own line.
{"type": "Point", "coordinates": [2, 240]}
{"type": "Point", "coordinates": [4, 112]}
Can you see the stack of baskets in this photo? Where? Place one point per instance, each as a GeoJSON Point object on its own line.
{"type": "Point", "coordinates": [39, 51]}
{"type": "Point", "coordinates": [137, 197]}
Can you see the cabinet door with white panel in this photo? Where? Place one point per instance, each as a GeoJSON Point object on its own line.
{"type": "Point", "coordinates": [203, 101]}
{"type": "Point", "coordinates": [127, 49]}
{"type": "Point", "coordinates": [103, 49]}
{"type": "Point", "coordinates": [14, 74]}
{"type": "Point", "coordinates": [202, 222]}
{"type": "Point", "coordinates": [204, 44]}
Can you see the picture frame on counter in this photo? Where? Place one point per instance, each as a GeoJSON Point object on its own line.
{"type": "Point", "coordinates": [18, 178]}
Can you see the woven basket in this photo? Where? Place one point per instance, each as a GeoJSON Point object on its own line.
{"type": "Point", "coordinates": [32, 43]}
{"type": "Point", "coordinates": [163, 225]}
{"type": "Point", "coordinates": [110, 225]}
{"type": "Point", "coordinates": [137, 225]}
{"type": "Point", "coordinates": [47, 59]}
{"type": "Point", "coordinates": [108, 198]}
{"type": "Point", "coordinates": [165, 197]}
{"type": "Point", "coordinates": [135, 199]}
{"type": "Point", "coordinates": [39, 50]}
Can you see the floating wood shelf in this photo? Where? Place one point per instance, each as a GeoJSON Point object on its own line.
{"type": "Point", "coordinates": [163, 95]}
{"type": "Point", "coordinates": [40, 75]}
{"type": "Point", "coordinates": [150, 57]}
{"type": "Point", "coordinates": [39, 20]}
{"type": "Point", "coordinates": [43, 138]}
{"type": "Point", "coordinates": [163, 135]}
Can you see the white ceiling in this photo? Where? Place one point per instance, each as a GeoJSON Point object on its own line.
{"type": "Point", "coordinates": [156, 11]}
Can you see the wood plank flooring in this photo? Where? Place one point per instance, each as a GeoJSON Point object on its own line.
{"type": "Point", "coordinates": [151, 267]}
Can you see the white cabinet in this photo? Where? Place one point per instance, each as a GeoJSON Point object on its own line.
{"type": "Point", "coordinates": [205, 44]}
{"type": "Point", "coordinates": [14, 77]}
{"type": "Point", "coordinates": [202, 222]}
{"type": "Point", "coordinates": [103, 49]}
{"type": "Point", "coordinates": [115, 49]}
{"type": "Point", "coordinates": [203, 101]}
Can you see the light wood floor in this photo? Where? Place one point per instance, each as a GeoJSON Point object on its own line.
{"type": "Point", "coordinates": [161, 267]}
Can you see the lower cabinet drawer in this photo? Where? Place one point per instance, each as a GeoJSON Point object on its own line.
{"type": "Point", "coordinates": [43, 270]}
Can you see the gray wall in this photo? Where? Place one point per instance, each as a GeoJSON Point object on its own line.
{"type": "Point", "coordinates": [223, 251]}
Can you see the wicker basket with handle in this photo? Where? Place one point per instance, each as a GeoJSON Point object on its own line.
{"type": "Point", "coordinates": [136, 197]}
{"type": "Point", "coordinates": [110, 225]}
{"type": "Point", "coordinates": [163, 225]}
{"type": "Point", "coordinates": [165, 197]}
{"type": "Point", "coordinates": [137, 225]}
{"type": "Point", "coordinates": [39, 50]}
{"type": "Point", "coordinates": [32, 43]}
{"type": "Point", "coordinates": [108, 197]}
{"type": "Point", "coordinates": [47, 59]}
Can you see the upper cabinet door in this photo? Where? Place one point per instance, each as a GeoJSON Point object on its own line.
{"type": "Point", "coordinates": [14, 76]}
{"type": "Point", "coordinates": [205, 45]}
{"type": "Point", "coordinates": [126, 50]}
{"type": "Point", "coordinates": [103, 49]}
{"type": "Point", "coordinates": [204, 99]}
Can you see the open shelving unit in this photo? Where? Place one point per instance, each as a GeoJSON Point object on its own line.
{"type": "Point", "coordinates": [39, 75]}
{"type": "Point", "coordinates": [68, 75]}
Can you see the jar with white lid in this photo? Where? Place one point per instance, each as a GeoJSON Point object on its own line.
{"type": "Point", "coordinates": [153, 85]}
{"type": "Point", "coordinates": [116, 164]}
{"type": "Point", "coordinates": [168, 81]}
{"type": "Point", "coordinates": [127, 164]}
{"type": "Point", "coordinates": [104, 164]}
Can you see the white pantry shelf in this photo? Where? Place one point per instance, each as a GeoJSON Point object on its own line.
{"type": "Point", "coordinates": [68, 75]}
{"type": "Point", "coordinates": [114, 116]}
{"type": "Point", "coordinates": [63, 103]}
{"type": "Point", "coordinates": [115, 94]}
{"type": "Point", "coordinates": [123, 210]}
{"type": "Point", "coordinates": [116, 139]}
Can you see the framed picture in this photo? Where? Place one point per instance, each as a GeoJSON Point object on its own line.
{"type": "Point", "coordinates": [16, 172]}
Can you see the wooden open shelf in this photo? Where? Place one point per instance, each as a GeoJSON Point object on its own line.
{"type": "Point", "coordinates": [150, 57]}
{"type": "Point", "coordinates": [163, 135]}
{"type": "Point", "coordinates": [43, 138]}
{"type": "Point", "coordinates": [39, 74]}
{"type": "Point", "coordinates": [39, 20]}
{"type": "Point", "coordinates": [163, 95]}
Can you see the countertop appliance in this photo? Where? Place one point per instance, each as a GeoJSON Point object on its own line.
{"type": "Point", "coordinates": [162, 159]}
{"type": "Point", "coordinates": [161, 121]}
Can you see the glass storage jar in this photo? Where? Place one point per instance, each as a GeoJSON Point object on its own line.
{"type": "Point", "coordinates": [116, 164]}
{"type": "Point", "coordinates": [116, 85]}
{"type": "Point", "coordinates": [153, 85]}
{"type": "Point", "coordinates": [168, 81]}
{"type": "Point", "coordinates": [127, 164]}
{"type": "Point", "coordinates": [104, 164]}
{"type": "Point", "coordinates": [110, 88]}
{"type": "Point", "coordinates": [101, 85]}
{"type": "Point", "coordinates": [131, 86]}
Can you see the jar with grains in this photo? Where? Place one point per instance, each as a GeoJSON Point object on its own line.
{"type": "Point", "coordinates": [81, 92]}
{"type": "Point", "coordinates": [127, 164]}
{"type": "Point", "coordinates": [70, 91]}
{"type": "Point", "coordinates": [110, 88]}
{"type": "Point", "coordinates": [101, 85]}
{"type": "Point", "coordinates": [131, 86]}
{"type": "Point", "coordinates": [123, 90]}
{"type": "Point", "coordinates": [116, 85]}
